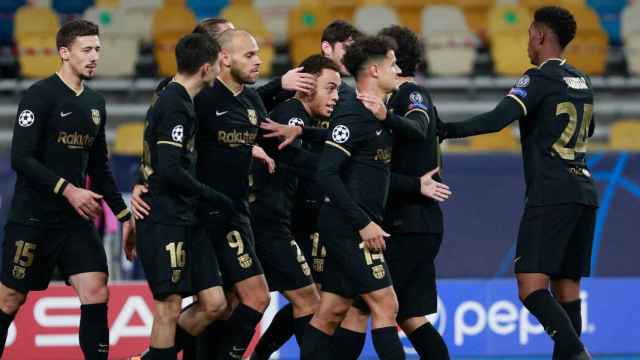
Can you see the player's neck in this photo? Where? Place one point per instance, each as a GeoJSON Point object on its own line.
{"type": "Point", "coordinates": [369, 86]}
{"type": "Point", "coordinates": [230, 82]}
{"type": "Point", "coordinates": [71, 79]}
{"type": "Point", "coordinates": [192, 84]}
{"type": "Point", "coordinates": [405, 79]}
{"type": "Point", "coordinates": [307, 107]}
{"type": "Point", "coordinates": [550, 54]}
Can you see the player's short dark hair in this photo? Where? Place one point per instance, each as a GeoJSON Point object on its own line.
{"type": "Point", "coordinates": [559, 20]}
{"type": "Point", "coordinates": [365, 49]}
{"type": "Point", "coordinates": [340, 31]}
{"type": "Point", "coordinates": [195, 50]}
{"type": "Point", "coordinates": [314, 64]}
{"type": "Point", "coordinates": [211, 27]}
{"type": "Point", "coordinates": [73, 29]}
{"type": "Point", "coordinates": [410, 51]}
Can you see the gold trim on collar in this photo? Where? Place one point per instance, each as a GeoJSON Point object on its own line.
{"type": "Point", "coordinates": [235, 93]}
{"type": "Point", "coordinates": [78, 92]}
{"type": "Point", "coordinates": [562, 61]}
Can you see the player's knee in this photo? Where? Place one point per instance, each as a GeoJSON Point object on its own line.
{"type": "Point", "coordinates": [215, 307]}
{"type": "Point", "coordinates": [168, 311]}
{"type": "Point", "coordinates": [94, 293]}
{"type": "Point", "coordinates": [12, 300]}
{"type": "Point", "coordinates": [384, 306]}
{"type": "Point", "coordinates": [335, 314]}
{"type": "Point", "coordinates": [261, 301]}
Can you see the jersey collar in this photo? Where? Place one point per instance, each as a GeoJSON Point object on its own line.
{"type": "Point", "coordinates": [78, 92]}
{"type": "Point", "coordinates": [562, 61]}
{"type": "Point", "coordinates": [234, 93]}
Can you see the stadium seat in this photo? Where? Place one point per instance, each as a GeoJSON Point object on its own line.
{"type": "Point", "coordinates": [589, 50]}
{"type": "Point", "coordinates": [107, 3]}
{"type": "Point", "coordinates": [625, 135]}
{"type": "Point", "coordinates": [409, 12]}
{"type": "Point", "coordinates": [631, 35]}
{"type": "Point", "coordinates": [275, 15]}
{"type": "Point", "coordinates": [69, 7]}
{"type": "Point", "coordinates": [6, 29]}
{"type": "Point", "coordinates": [206, 8]}
{"type": "Point", "coordinates": [475, 11]}
{"type": "Point", "coordinates": [509, 35]}
{"type": "Point", "coordinates": [35, 35]}
{"type": "Point", "coordinates": [248, 18]}
{"type": "Point", "coordinates": [169, 24]}
{"type": "Point", "coordinates": [372, 18]}
{"type": "Point", "coordinates": [306, 24]}
{"type": "Point", "coordinates": [507, 18]}
{"type": "Point", "coordinates": [119, 51]}
{"type": "Point", "coordinates": [609, 12]}
{"type": "Point", "coordinates": [128, 139]}
{"type": "Point", "coordinates": [450, 45]}
{"type": "Point", "coordinates": [141, 15]}
{"type": "Point", "coordinates": [500, 141]}
{"type": "Point", "coordinates": [341, 9]}
{"type": "Point", "coordinates": [533, 5]}
{"type": "Point", "coordinates": [11, 6]}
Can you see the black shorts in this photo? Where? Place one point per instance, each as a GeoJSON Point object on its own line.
{"type": "Point", "coordinates": [314, 251]}
{"type": "Point", "coordinates": [176, 259]}
{"type": "Point", "coordinates": [233, 242]}
{"type": "Point", "coordinates": [556, 240]}
{"type": "Point", "coordinates": [411, 261]}
{"type": "Point", "coordinates": [284, 264]}
{"type": "Point", "coordinates": [30, 253]}
{"type": "Point", "coordinates": [350, 269]}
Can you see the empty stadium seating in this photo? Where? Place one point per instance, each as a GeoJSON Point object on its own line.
{"type": "Point", "coordinates": [625, 135]}
{"type": "Point", "coordinates": [128, 140]}
{"type": "Point", "coordinates": [35, 36]}
{"type": "Point", "coordinates": [508, 33]}
{"type": "Point", "coordinates": [630, 29]}
{"type": "Point", "coordinates": [372, 18]}
{"type": "Point", "coordinates": [306, 23]}
{"type": "Point", "coordinates": [589, 49]}
{"type": "Point", "coordinates": [169, 24]}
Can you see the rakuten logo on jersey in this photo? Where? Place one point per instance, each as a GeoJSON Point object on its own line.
{"type": "Point", "coordinates": [503, 317]}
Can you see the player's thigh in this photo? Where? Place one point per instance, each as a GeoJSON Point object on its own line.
{"type": "Point", "coordinates": [29, 255]}
{"type": "Point", "coordinates": [577, 257]}
{"type": "Point", "coordinates": [83, 250]}
{"type": "Point", "coordinates": [205, 272]}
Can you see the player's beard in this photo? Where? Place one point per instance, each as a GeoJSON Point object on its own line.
{"type": "Point", "coordinates": [240, 78]}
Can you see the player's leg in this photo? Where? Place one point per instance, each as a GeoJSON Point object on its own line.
{"type": "Point", "coordinates": [163, 331]}
{"type": "Point", "coordinates": [10, 302]}
{"type": "Point", "coordinates": [305, 302]}
{"type": "Point", "coordinates": [567, 292]}
{"type": "Point", "coordinates": [317, 336]}
{"type": "Point", "coordinates": [350, 336]}
{"type": "Point", "coordinates": [280, 330]}
{"type": "Point", "coordinates": [383, 305]}
{"type": "Point", "coordinates": [92, 290]}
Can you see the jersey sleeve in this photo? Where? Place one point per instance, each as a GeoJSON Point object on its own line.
{"type": "Point", "coordinates": [529, 90]}
{"type": "Point", "coordinates": [28, 130]}
{"type": "Point", "coordinates": [272, 93]}
{"type": "Point", "coordinates": [101, 176]}
{"type": "Point", "coordinates": [411, 117]}
{"type": "Point", "coordinates": [337, 151]}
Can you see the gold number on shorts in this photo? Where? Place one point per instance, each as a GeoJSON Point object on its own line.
{"type": "Point", "coordinates": [299, 257]}
{"type": "Point", "coordinates": [315, 246]}
{"type": "Point", "coordinates": [369, 257]}
{"type": "Point", "coordinates": [235, 241]}
{"type": "Point", "coordinates": [24, 250]}
{"type": "Point", "coordinates": [561, 146]}
{"type": "Point", "coordinates": [177, 254]}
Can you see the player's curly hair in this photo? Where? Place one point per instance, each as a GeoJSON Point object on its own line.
{"type": "Point", "coordinates": [365, 49]}
{"type": "Point", "coordinates": [340, 31]}
{"type": "Point", "coordinates": [559, 20]}
{"type": "Point", "coordinates": [410, 51]}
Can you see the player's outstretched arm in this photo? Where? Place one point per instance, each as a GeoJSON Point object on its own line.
{"type": "Point", "coordinates": [507, 111]}
{"type": "Point", "coordinates": [413, 126]}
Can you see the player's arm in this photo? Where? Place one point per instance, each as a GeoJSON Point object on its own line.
{"type": "Point", "coordinates": [507, 111]}
{"type": "Point", "coordinates": [413, 127]}
{"type": "Point", "coordinates": [101, 175]}
{"type": "Point", "coordinates": [27, 136]}
{"type": "Point", "coordinates": [424, 185]}
{"type": "Point", "coordinates": [299, 161]}
{"type": "Point", "coordinates": [282, 88]}
{"type": "Point", "coordinates": [170, 170]}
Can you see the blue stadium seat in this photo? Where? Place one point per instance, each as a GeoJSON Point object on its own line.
{"type": "Point", "coordinates": [206, 8]}
{"type": "Point", "coordinates": [10, 6]}
{"type": "Point", "coordinates": [609, 12]}
{"type": "Point", "coordinates": [6, 29]}
{"type": "Point", "coordinates": [71, 6]}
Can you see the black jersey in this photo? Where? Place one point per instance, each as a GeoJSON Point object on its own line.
{"type": "Point", "coordinates": [59, 138]}
{"type": "Point", "coordinates": [354, 166]}
{"type": "Point", "coordinates": [229, 126]}
{"type": "Point", "coordinates": [169, 159]}
{"type": "Point", "coordinates": [557, 101]}
{"type": "Point", "coordinates": [275, 193]}
{"type": "Point", "coordinates": [407, 210]}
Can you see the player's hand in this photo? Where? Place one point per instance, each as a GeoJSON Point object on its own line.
{"type": "Point", "coordinates": [296, 80]}
{"type": "Point", "coordinates": [286, 132]}
{"type": "Point", "coordinates": [85, 202]}
{"type": "Point", "coordinates": [140, 207]}
{"type": "Point", "coordinates": [258, 153]}
{"type": "Point", "coordinates": [129, 239]}
{"type": "Point", "coordinates": [433, 189]}
{"type": "Point", "coordinates": [373, 237]}
{"type": "Point", "coordinates": [375, 105]}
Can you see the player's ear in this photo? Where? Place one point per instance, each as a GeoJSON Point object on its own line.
{"type": "Point", "coordinates": [225, 58]}
{"type": "Point", "coordinates": [326, 48]}
{"type": "Point", "coordinates": [64, 53]}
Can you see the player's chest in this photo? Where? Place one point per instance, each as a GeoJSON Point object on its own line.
{"type": "Point", "coordinates": [74, 124]}
{"type": "Point", "coordinates": [377, 145]}
{"type": "Point", "coordinates": [233, 124]}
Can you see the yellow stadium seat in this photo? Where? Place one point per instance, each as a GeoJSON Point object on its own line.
{"type": "Point", "coordinates": [129, 138]}
{"type": "Point", "coordinates": [248, 18]}
{"type": "Point", "coordinates": [509, 54]}
{"type": "Point", "coordinates": [169, 24]}
{"type": "Point", "coordinates": [625, 135]}
{"type": "Point", "coordinates": [306, 24]}
{"type": "Point", "coordinates": [533, 5]}
{"type": "Point", "coordinates": [508, 18]}
{"type": "Point", "coordinates": [341, 9]}
{"type": "Point", "coordinates": [409, 12]}
{"type": "Point", "coordinates": [475, 11]}
{"type": "Point", "coordinates": [107, 3]}
{"type": "Point", "coordinates": [500, 141]}
{"type": "Point", "coordinates": [589, 50]}
{"type": "Point", "coordinates": [175, 2]}
{"type": "Point", "coordinates": [35, 35]}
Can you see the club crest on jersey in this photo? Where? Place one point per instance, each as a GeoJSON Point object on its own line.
{"type": "Point", "coordinates": [523, 81]}
{"type": "Point", "coordinates": [177, 134]}
{"type": "Point", "coordinates": [253, 117]}
{"type": "Point", "coordinates": [294, 121]}
{"type": "Point", "coordinates": [340, 134]}
{"type": "Point", "coordinates": [95, 116]}
{"type": "Point", "coordinates": [26, 118]}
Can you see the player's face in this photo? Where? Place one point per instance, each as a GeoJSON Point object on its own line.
{"type": "Point", "coordinates": [82, 56]}
{"type": "Point", "coordinates": [325, 94]}
{"type": "Point", "coordinates": [245, 62]}
{"type": "Point", "coordinates": [388, 73]}
{"type": "Point", "coordinates": [336, 53]}
{"type": "Point", "coordinates": [535, 42]}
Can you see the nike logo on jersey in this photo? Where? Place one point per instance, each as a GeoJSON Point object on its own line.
{"type": "Point", "coordinates": [65, 114]}
{"type": "Point", "coordinates": [220, 113]}
{"type": "Point", "coordinates": [516, 259]}
{"type": "Point", "coordinates": [378, 132]}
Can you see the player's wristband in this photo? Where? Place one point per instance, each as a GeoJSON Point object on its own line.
{"type": "Point", "coordinates": [61, 184]}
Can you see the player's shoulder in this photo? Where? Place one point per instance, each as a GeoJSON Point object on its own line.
{"type": "Point", "coordinates": [93, 94]}
{"type": "Point", "coordinates": [291, 112]}
{"type": "Point", "coordinates": [47, 87]}
{"type": "Point", "coordinates": [174, 98]}
{"type": "Point", "coordinates": [411, 96]}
